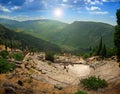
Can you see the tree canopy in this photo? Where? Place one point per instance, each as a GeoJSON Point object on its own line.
{"type": "Point", "coordinates": [117, 35]}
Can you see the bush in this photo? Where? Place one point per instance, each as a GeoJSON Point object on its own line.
{"type": "Point", "coordinates": [80, 92]}
{"type": "Point", "coordinates": [86, 55]}
{"type": "Point", "coordinates": [17, 56]}
{"type": "Point", "coordinates": [4, 54]}
{"type": "Point", "coordinates": [94, 83]}
{"type": "Point", "coordinates": [5, 65]}
{"type": "Point", "coordinates": [49, 56]}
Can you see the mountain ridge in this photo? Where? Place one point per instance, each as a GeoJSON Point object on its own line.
{"type": "Point", "coordinates": [20, 39]}
{"type": "Point", "coordinates": [75, 36]}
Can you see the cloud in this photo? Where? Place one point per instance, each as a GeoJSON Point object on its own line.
{"type": "Point", "coordinates": [93, 8]}
{"type": "Point", "coordinates": [92, 2]}
{"type": "Point", "coordinates": [75, 1]}
{"type": "Point", "coordinates": [21, 17]}
{"type": "Point", "coordinates": [28, 1]}
{"type": "Point", "coordinates": [65, 0]}
{"type": "Point", "coordinates": [4, 9]}
{"type": "Point", "coordinates": [105, 0]}
{"type": "Point", "coordinates": [110, 0]}
{"type": "Point", "coordinates": [36, 5]}
{"type": "Point", "coordinates": [65, 5]}
{"type": "Point", "coordinates": [100, 12]}
{"type": "Point", "coordinates": [15, 8]}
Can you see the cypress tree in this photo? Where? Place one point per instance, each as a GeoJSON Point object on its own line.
{"type": "Point", "coordinates": [103, 52]}
{"type": "Point", "coordinates": [99, 47]}
{"type": "Point", "coordinates": [117, 35]}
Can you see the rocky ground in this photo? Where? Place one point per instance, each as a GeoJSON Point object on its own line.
{"type": "Point", "coordinates": [37, 76]}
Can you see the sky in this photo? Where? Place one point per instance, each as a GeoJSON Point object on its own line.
{"type": "Point", "coordinates": [63, 10]}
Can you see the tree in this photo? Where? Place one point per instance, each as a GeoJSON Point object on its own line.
{"type": "Point", "coordinates": [118, 16]}
{"type": "Point", "coordinates": [99, 47]}
{"type": "Point", "coordinates": [49, 56]}
{"type": "Point", "coordinates": [104, 51]}
{"type": "Point", "coordinates": [117, 35]}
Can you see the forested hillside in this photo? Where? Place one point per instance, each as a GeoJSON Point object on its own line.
{"type": "Point", "coordinates": [76, 37]}
{"type": "Point", "coordinates": [21, 40]}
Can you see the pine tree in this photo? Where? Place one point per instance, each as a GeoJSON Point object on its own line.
{"type": "Point", "coordinates": [117, 35]}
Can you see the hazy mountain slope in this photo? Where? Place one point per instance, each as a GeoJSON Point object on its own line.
{"type": "Point", "coordinates": [82, 35]}
{"type": "Point", "coordinates": [39, 28]}
{"type": "Point", "coordinates": [79, 35]}
{"type": "Point", "coordinates": [21, 39]}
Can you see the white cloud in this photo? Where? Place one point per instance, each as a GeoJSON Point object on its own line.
{"type": "Point", "coordinates": [28, 1]}
{"type": "Point", "coordinates": [65, 0]}
{"type": "Point", "coordinates": [15, 8]}
{"type": "Point", "coordinates": [75, 1]}
{"type": "Point", "coordinates": [4, 9]}
{"type": "Point", "coordinates": [93, 8]}
{"type": "Point", "coordinates": [100, 12]}
{"type": "Point", "coordinates": [105, 0]}
{"type": "Point", "coordinates": [66, 6]}
{"type": "Point", "coordinates": [110, 0]}
{"type": "Point", "coordinates": [92, 2]}
{"type": "Point", "coordinates": [21, 17]}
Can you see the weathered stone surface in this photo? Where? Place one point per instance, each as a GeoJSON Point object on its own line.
{"type": "Point", "coordinates": [10, 90]}
{"type": "Point", "coordinates": [25, 91]}
{"type": "Point", "coordinates": [10, 75]}
{"type": "Point", "coordinates": [13, 89]}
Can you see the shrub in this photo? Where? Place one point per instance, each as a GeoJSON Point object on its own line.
{"type": "Point", "coordinates": [49, 56]}
{"type": "Point", "coordinates": [86, 55]}
{"type": "Point", "coordinates": [80, 92]}
{"type": "Point", "coordinates": [4, 54]}
{"type": "Point", "coordinates": [17, 56]}
{"type": "Point", "coordinates": [94, 83]}
{"type": "Point", "coordinates": [5, 65]}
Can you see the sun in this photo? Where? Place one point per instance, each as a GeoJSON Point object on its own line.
{"type": "Point", "coordinates": [58, 12]}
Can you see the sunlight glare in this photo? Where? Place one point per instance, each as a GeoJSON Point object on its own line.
{"type": "Point", "coordinates": [58, 12]}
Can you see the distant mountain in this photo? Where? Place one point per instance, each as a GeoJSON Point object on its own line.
{"type": "Point", "coordinates": [43, 28]}
{"type": "Point", "coordinates": [82, 35]}
{"type": "Point", "coordinates": [20, 39]}
{"type": "Point", "coordinates": [78, 36]}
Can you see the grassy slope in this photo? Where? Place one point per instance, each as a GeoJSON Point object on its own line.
{"type": "Point", "coordinates": [85, 34]}
{"type": "Point", "coordinates": [28, 40]}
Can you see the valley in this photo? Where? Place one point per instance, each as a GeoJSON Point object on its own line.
{"type": "Point", "coordinates": [35, 60]}
{"type": "Point", "coordinates": [59, 46]}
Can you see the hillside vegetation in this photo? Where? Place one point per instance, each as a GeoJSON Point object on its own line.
{"type": "Point", "coordinates": [85, 34]}
{"type": "Point", "coordinates": [22, 41]}
{"type": "Point", "coordinates": [76, 37]}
